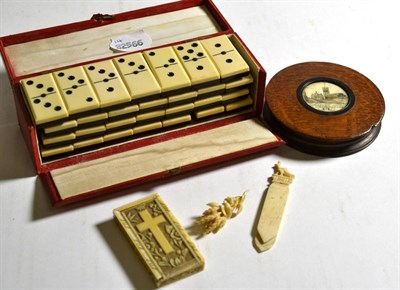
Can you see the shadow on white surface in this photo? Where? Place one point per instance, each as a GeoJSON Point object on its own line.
{"type": "Point", "coordinates": [194, 229]}
{"type": "Point", "coordinates": [7, 109]}
{"type": "Point", "coordinates": [14, 158]}
{"type": "Point", "coordinates": [126, 255]}
{"type": "Point", "coordinates": [287, 152]}
{"type": "Point", "coordinates": [41, 206]}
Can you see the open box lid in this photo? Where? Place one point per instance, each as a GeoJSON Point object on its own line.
{"type": "Point", "coordinates": [116, 166]}
{"type": "Point", "coordinates": [76, 43]}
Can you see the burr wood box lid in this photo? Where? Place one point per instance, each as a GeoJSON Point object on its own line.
{"type": "Point", "coordinates": [324, 108]}
{"type": "Point", "coordinates": [102, 169]}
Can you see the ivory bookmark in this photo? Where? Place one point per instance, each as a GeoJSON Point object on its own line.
{"type": "Point", "coordinates": [273, 209]}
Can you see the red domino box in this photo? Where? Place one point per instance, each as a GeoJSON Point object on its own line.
{"type": "Point", "coordinates": [112, 167]}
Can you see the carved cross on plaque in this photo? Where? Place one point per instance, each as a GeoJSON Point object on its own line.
{"type": "Point", "coordinates": [151, 223]}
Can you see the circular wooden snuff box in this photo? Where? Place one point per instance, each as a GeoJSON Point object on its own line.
{"type": "Point", "coordinates": [324, 109]}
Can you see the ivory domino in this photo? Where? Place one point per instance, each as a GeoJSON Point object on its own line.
{"type": "Point", "coordinates": [44, 99]}
{"type": "Point", "coordinates": [76, 90]}
{"type": "Point", "coordinates": [197, 64]}
{"type": "Point", "coordinates": [169, 72]}
{"type": "Point", "coordinates": [107, 83]}
{"type": "Point", "coordinates": [226, 58]}
{"type": "Point", "coordinates": [137, 76]}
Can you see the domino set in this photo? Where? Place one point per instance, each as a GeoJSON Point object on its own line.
{"type": "Point", "coordinates": [132, 94]}
{"type": "Point", "coordinates": [96, 120]}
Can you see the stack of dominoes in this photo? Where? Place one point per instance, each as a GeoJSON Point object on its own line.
{"type": "Point", "coordinates": [126, 96]}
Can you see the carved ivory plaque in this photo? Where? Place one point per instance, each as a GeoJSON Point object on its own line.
{"type": "Point", "coordinates": [163, 245]}
{"type": "Point", "coordinates": [273, 209]}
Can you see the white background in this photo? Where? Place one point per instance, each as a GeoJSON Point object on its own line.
{"type": "Point", "coordinates": [341, 226]}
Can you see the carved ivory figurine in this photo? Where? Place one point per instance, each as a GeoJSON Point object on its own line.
{"type": "Point", "coordinates": [282, 171]}
{"type": "Point", "coordinates": [214, 218]}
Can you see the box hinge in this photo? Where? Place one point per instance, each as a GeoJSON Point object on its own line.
{"type": "Point", "coordinates": [101, 17]}
{"type": "Point", "coordinates": [174, 171]}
